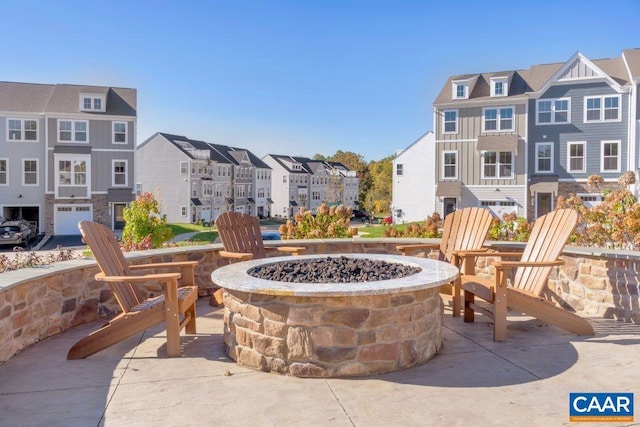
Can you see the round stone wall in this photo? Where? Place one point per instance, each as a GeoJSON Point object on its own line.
{"type": "Point", "coordinates": [333, 336]}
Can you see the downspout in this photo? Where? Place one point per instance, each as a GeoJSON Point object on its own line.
{"type": "Point", "coordinates": [632, 127]}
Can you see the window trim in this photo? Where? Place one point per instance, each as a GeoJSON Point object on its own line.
{"type": "Point", "coordinates": [553, 111]}
{"type": "Point", "coordinates": [498, 128]}
{"type": "Point", "coordinates": [399, 170]}
{"type": "Point", "coordinates": [444, 165]}
{"type": "Point", "coordinates": [37, 172]}
{"type": "Point", "coordinates": [93, 97]}
{"type": "Point", "coordinates": [498, 164]}
{"type": "Point", "coordinates": [505, 86]}
{"type": "Point", "coordinates": [113, 132]}
{"type": "Point", "coordinates": [602, 109]}
{"type": "Point", "coordinates": [619, 156]}
{"type": "Point", "coordinates": [584, 156]}
{"type": "Point", "coordinates": [464, 84]}
{"type": "Point", "coordinates": [73, 131]}
{"type": "Point", "coordinates": [22, 129]}
{"type": "Point", "coordinates": [444, 122]}
{"type": "Point", "coordinates": [113, 172]}
{"type": "Point", "coordinates": [552, 160]}
{"type": "Point", "coordinates": [6, 160]}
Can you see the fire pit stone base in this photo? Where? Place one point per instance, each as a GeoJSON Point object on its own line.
{"type": "Point", "coordinates": [332, 336]}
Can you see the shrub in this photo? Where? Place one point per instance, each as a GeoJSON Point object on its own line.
{"type": "Point", "coordinates": [144, 227]}
{"type": "Point", "coordinates": [427, 230]}
{"type": "Point", "coordinates": [328, 222]}
{"type": "Point", "coordinates": [24, 259]}
{"type": "Point", "coordinates": [511, 228]}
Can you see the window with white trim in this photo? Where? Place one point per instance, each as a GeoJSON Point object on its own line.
{"type": "Point", "coordinates": [91, 102]}
{"type": "Point", "coordinates": [499, 86]}
{"type": "Point", "coordinates": [184, 168]}
{"type": "Point", "coordinates": [544, 157]}
{"type": "Point", "coordinates": [29, 171]}
{"type": "Point", "coordinates": [399, 169]}
{"type": "Point", "coordinates": [119, 177]}
{"type": "Point", "coordinates": [4, 172]}
{"type": "Point", "coordinates": [73, 131]}
{"type": "Point", "coordinates": [449, 164]}
{"type": "Point", "coordinates": [183, 210]}
{"type": "Point", "coordinates": [72, 172]}
{"type": "Point", "coordinates": [497, 164]}
{"type": "Point", "coordinates": [460, 90]}
{"type": "Point", "coordinates": [450, 121]}
{"type": "Point", "coordinates": [22, 130]}
{"type": "Point", "coordinates": [576, 156]}
{"type": "Point", "coordinates": [610, 161]}
{"type": "Point", "coordinates": [240, 191]}
{"type": "Point", "coordinates": [119, 132]}
{"type": "Point", "coordinates": [602, 108]}
{"type": "Point", "coordinates": [497, 119]}
{"type": "Point", "coordinates": [590, 200]}
{"type": "Point", "coordinates": [553, 111]}
{"type": "Point", "coordinates": [138, 188]}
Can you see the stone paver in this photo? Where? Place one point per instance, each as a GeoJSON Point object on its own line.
{"type": "Point", "coordinates": [524, 381]}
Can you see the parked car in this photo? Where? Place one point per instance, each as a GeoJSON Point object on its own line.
{"type": "Point", "coordinates": [17, 232]}
{"type": "Point", "coordinates": [359, 214]}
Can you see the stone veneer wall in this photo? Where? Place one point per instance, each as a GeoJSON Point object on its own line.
{"type": "Point", "coordinates": [323, 337]}
{"type": "Point", "coordinates": [36, 303]}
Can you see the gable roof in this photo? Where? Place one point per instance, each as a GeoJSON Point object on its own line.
{"type": "Point", "coordinates": [64, 98]}
{"type": "Point", "coordinates": [307, 165]}
{"type": "Point", "coordinates": [632, 61]}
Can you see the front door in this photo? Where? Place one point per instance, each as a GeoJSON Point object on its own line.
{"type": "Point", "coordinates": [449, 205]}
{"type": "Point", "coordinates": [543, 204]}
{"type": "Point", "coordinates": [118, 216]}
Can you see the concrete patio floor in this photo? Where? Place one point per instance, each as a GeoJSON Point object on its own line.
{"type": "Point", "coordinates": [473, 381]}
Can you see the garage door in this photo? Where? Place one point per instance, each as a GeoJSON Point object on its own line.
{"type": "Point", "coordinates": [66, 217]}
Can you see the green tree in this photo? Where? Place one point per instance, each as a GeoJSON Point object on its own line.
{"type": "Point", "coordinates": [145, 228]}
{"type": "Point", "coordinates": [377, 197]}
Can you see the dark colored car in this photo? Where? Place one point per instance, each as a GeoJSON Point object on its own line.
{"type": "Point", "coordinates": [17, 232]}
{"type": "Point", "coordinates": [359, 214]}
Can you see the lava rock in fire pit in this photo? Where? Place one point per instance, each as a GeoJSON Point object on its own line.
{"type": "Point", "coordinates": [333, 270]}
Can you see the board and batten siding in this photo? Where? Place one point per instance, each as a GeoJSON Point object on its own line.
{"type": "Point", "coordinates": [470, 122]}
{"type": "Point", "coordinates": [576, 131]}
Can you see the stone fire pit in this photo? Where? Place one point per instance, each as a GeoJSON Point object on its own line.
{"type": "Point", "coordinates": [333, 329]}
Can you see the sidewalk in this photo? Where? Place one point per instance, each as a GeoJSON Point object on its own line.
{"type": "Point", "coordinates": [473, 381]}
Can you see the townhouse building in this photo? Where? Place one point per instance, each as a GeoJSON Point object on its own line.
{"type": "Point", "coordinates": [480, 127]}
{"type": "Point", "coordinates": [514, 141]}
{"type": "Point", "coordinates": [195, 180]}
{"type": "Point", "coordinates": [66, 154]}
{"type": "Point", "coordinates": [302, 182]}
{"type": "Point", "coordinates": [413, 169]}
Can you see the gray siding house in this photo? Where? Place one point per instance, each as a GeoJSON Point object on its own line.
{"type": "Point", "coordinates": [66, 154]}
{"type": "Point", "coordinates": [197, 181]}
{"type": "Point", "coordinates": [580, 125]}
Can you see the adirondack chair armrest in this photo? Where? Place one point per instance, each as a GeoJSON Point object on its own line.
{"type": "Point", "coordinates": [176, 264]}
{"type": "Point", "coordinates": [474, 253]}
{"type": "Point", "coordinates": [508, 265]}
{"type": "Point", "coordinates": [295, 250]}
{"type": "Point", "coordinates": [242, 256]}
{"type": "Point", "coordinates": [407, 249]}
{"type": "Point", "coordinates": [134, 279]}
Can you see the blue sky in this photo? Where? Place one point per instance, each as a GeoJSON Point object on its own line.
{"type": "Point", "coordinates": [298, 77]}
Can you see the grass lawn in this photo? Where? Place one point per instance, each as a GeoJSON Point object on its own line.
{"type": "Point", "coordinates": [374, 231]}
{"type": "Point", "coordinates": [187, 228]}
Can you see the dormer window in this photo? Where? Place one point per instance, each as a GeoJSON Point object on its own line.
{"type": "Point", "coordinates": [91, 102]}
{"type": "Point", "coordinates": [499, 87]}
{"type": "Point", "coordinates": [461, 90]}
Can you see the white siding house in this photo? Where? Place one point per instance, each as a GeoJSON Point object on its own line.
{"type": "Point", "coordinates": [414, 197]}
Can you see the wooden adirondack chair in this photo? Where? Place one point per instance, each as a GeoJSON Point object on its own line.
{"type": "Point", "coordinates": [546, 242]}
{"type": "Point", "coordinates": [138, 313]}
{"type": "Point", "coordinates": [463, 230]}
{"type": "Point", "coordinates": [242, 240]}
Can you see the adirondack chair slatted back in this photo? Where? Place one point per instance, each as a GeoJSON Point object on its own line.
{"type": "Point", "coordinates": [108, 254]}
{"type": "Point", "coordinates": [240, 232]}
{"type": "Point", "coordinates": [464, 229]}
{"type": "Point", "coordinates": [548, 237]}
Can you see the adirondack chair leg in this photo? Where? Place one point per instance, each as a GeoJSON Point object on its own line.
{"type": "Point", "coordinates": [500, 314]}
{"type": "Point", "coordinates": [172, 317]}
{"type": "Point", "coordinates": [118, 329]}
{"type": "Point", "coordinates": [217, 297]}
{"type": "Point", "coordinates": [455, 291]}
{"type": "Point", "coordinates": [469, 314]}
{"type": "Point", "coordinates": [190, 327]}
